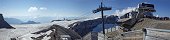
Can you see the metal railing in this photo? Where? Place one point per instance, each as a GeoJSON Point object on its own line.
{"type": "Point", "coordinates": [157, 34]}
{"type": "Point", "coordinates": [148, 34]}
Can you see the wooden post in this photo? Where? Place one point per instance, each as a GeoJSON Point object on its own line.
{"type": "Point", "coordinates": [101, 8]}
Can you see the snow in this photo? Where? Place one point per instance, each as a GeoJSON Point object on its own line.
{"type": "Point", "coordinates": [28, 36]}
{"type": "Point", "coordinates": [67, 23]}
{"type": "Point", "coordinates": [64, 23]}
{"type": "Point", "coordinates": [124, 11]}
{"type": "Point", "coordinates": [23, 31]}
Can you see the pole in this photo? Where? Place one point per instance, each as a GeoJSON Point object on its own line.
{"type": "Point", "coordinates": [101, 8]}
{"type": "Point", "coordinates": [102, 20]}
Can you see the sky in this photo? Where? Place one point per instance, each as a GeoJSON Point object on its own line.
{"type": "Point", "coordinates": [72, 8]}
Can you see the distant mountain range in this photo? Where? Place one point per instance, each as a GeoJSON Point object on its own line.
{"type": "Point", "coordinates": [20, 20]}
{"type": "Point", "coordinates": [30, 22]}
{"type": "Point", "coordinates": [13, 21]}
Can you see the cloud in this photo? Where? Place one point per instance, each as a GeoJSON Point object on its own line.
{"type": "Point", "coordinates": [32, 9]}
{"type": "Point", "coordinates": [35, 9]}
{"type": "Point", "coordinates": [157, 15]}
{"type": "Point", "coordinates": [43, 8]}
{"type": "Point", "coordinates": [122, 12]}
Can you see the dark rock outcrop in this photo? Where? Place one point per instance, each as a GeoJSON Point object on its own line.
{"type": "Point", "coordinates": [57, 33]}
{"type": "Point", "coordinates": [84, 27]}
{"type": "Point", "coordinates": [3, 23]}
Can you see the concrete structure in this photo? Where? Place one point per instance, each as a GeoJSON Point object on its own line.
{"type": "Point", "coordinates": [144, 9]}
{"type": "Point", "coordinates": [129, 19]}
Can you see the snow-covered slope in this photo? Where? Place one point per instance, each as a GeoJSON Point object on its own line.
{"type": "Point", "coordinates": [67, 23]}
{"type": "Point", "coordinates": [30, 36]}
{"type": "Point", "coordinates": [25, 30]}
{"type": "Point", "coordinates": [20, 30]}
{"type": "Point", "coordinates": [64, 23]}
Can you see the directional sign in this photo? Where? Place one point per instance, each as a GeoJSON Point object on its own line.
{"type": "Point", "coordinates": [102, 8]}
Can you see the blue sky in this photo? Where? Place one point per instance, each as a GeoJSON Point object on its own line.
{"type": "Point", "coordinates": [72, 8]}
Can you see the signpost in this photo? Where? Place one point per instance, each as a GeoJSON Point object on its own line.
{"type": "Point", "coordinates": [101, 8]}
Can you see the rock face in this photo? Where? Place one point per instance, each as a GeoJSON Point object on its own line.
{"type": "Point", "coordinates": [3, 23]}
{"type": "Point", "coordinates": [54, 32]}
{"type": "Point", "coordinates": [84, 27]}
